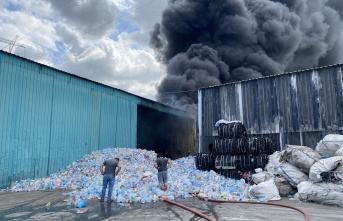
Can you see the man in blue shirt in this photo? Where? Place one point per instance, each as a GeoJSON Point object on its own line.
{"type": "Point", "coordinates": [109, 174]}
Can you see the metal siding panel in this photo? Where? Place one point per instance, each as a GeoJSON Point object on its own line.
{"type": "Point", "coordinates": [246, 107]}
{"type": "Point", "coordinates": [210, 117]}
{"type": "Point", "coordinates": [216, 107]}
{"type": "Point", "coordinates": [317, 119]}
{"type": "Point", "coordinates": [230, 97]}
{"type": "Point", "coordinates": [269, 103]}
{"type": "Point", "coordinates": [49, 119]}
{"type": "Point", "coordinates": [328, 100]}
{"type": "Point", "coordinates": [252, 110]}
{"type": "Point", "coordinates": [6, 103]}
{"type": "Point", "coordinates": [16, 97]}
{"type": "Point", "coordinates": [42, 117]}
{"type": "Point", "coordinates": [200, 121]}
{"type": "Point", "coordinates": [300, 108]}
{"type": "Point", "coordinates": [125, 121]}
{"type": "Point", "coordinates": [283, 94]}
{"type": "Point", "coordinates": [122, 124]}
{"type": "Point", "coordinates": [134, 122]}
{"type": "Point", "coordinates": [294, 111]}
{"type": "Point", "coordinates": [22, 160]}
{"type": "Point", "coordinates": [338, 84]}
{"type": "Point", "coordinates": [206, 118]}
{"type": "Point", "coordinates": [301, 104]}
{"type": "Point", "coordinates": [95, 118]}
{"type": "Point", "coordinates": [108, 121]}
{"type": "Point", "coordinates": [72, 135]}
{"type": "Point", "coordinates": [57, 121]}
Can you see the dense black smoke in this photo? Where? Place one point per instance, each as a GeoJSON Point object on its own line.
{"type": "Point", "coordinates": [200, 40]}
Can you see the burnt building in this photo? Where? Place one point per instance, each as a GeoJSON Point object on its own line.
{"type": "Point", "coordinates": [297, 108]}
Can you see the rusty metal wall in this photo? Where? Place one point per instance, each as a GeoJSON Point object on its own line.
{"type": "Point", "coordinates": [297, 108]}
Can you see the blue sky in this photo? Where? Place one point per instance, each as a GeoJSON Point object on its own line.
{"type": "Point", "coordinates": [124, 25]}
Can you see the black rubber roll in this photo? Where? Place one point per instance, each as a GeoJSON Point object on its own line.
{"type": "Point", "coordinates": [230, 173]}
{"type": "Point", "coordinates": [244, 163]}
{"type": "Point", "coordinates": [270, 146]}
{"type": "Point", "coordinates": [225, 161]}
{"type": "Point", "coordinates": [204, 161]}
{"type": "Point", "coordinates": [231, 130]}
{"type": "Point", "coordinates": [235, 146]}
{"type": "Point", "coordinates": [242, 147]}
{"type": "Point", "coordinates": [257, 145]}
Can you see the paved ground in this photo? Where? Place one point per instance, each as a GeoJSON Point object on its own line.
{"type": "Point", "coordinates": [32, 206]}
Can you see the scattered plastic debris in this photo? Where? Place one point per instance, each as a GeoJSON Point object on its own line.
{"type": "Point", "coordinates": [81, 203]}
{"type": "Point", "coordinates": [81, 211]}
{"type": "Point", "coordinates": [137, 181]}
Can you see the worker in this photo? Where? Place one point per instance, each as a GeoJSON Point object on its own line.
{"type": "Point", "coordinates": [112, 168]}
{"type": "Point", "coordinates": [162, 164]}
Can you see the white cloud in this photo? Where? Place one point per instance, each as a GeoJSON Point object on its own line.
{"type": "Point", "coordinates": [76, 36]}
{"type": "Point", "coordinates": [118, 65]}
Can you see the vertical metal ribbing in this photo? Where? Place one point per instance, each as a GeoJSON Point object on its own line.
{"type": "Point", "coordinates": [50, 129]}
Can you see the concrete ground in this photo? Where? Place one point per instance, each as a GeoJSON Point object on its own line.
{"type": "Point", "coordinates": [32, 206]}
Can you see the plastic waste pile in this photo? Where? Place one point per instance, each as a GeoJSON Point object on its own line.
{"type": "Point", "coordinates": [132, 184]}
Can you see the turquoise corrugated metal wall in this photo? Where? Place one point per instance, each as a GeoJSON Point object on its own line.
{"type": "Point", "coordinates": [49, 118]}
{"type": "Point", "coordinates": [24, 138]}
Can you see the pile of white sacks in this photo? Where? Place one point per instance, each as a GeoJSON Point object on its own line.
{"type": "Point", "coordinates": [316, 175]}
{"type": "Point", "coordinates": [137, 181]}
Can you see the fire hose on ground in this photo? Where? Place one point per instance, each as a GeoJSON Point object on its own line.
{"type": "Point", "coordinates": [307, 218]}
{"type": "Point", "coordinates": [188, 208]}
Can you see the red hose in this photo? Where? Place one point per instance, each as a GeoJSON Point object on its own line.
{"type": "Point", "coordinates": [307, 218]}
{"type": "Point", "coordinates": [189, 209]}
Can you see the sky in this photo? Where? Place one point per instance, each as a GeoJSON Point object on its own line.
{"type": "Point", "coordinates": [106, 41]}
{"type": "Point", "coordinates": [165, 50]}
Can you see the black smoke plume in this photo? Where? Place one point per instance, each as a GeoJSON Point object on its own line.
{"type": "Point", "coordinates": [200, 40]}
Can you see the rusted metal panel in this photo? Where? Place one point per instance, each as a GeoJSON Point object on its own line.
{"type": "Point", "coordinates": [297, 108]}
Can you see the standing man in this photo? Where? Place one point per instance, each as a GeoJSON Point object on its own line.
{"type": "Point", "coordinates": [109, 177]}
{"type": "Point", "coordinates": [162, 164]}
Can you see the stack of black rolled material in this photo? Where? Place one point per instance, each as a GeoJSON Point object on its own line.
{"type": "Point", "coordinates": [204, 161]}
{"type": "Point", "coordinates": [236, 154]}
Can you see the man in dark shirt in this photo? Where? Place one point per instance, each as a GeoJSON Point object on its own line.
{"type": "Point", "coordinates": [162, 164]}
{"type": "Point", "coordinates": [109, 177]}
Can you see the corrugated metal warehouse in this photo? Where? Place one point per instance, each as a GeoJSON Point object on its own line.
{"type": "Point", "coordinates": [50, 118]}
{"type": "Point", "coordinates": [297, 108]}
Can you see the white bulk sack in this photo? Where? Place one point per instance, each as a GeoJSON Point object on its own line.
{"type": "Point", "coordinates": [338, 173]}
{"type": "Point", "coordinates": [326, 165]}
{"type": "Point", "coordinates": [339, 152]}
{"type": "Point", "coordinates": [291, 173]}
{"type": "Point", "coordinates": [329, 144]}
{"type": "Point", "coordinates": [300, 156]}
{"type": "Point", "coordinates": [261, 177]}
{"type": "Point", "coordinates": [265, 189]}
{"type": "Point", "coordinates": [273, 163]}
{"type": "Point", "coordinates": [324, 192]}
{"type": "Point", "coordinates": [283, 186]}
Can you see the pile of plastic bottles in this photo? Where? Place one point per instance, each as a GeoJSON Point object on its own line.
{"type": "Point", "coordinates": [84, 179]}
